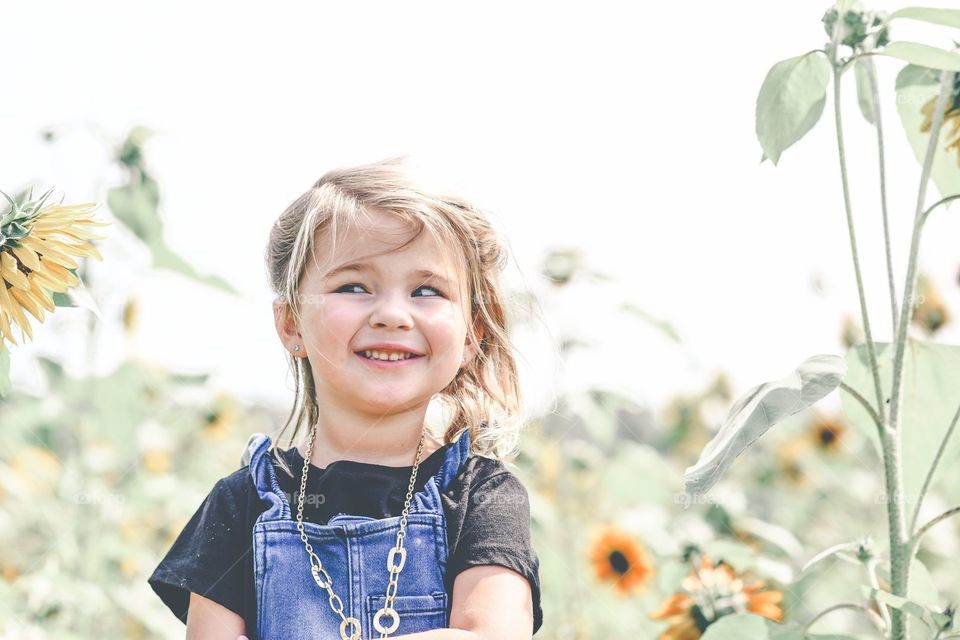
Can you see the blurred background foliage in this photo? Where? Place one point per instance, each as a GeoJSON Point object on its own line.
{"type": "Point", "coordinates": [99, 474]}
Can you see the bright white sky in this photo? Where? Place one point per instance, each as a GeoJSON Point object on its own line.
{"type": "Point", "coordinates": [623, 129]}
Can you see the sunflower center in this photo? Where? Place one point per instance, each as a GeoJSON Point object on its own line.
{"type": "Point", "coordinates": [619, 562]}
{"type": "Point", "coordinates": [827, 436]}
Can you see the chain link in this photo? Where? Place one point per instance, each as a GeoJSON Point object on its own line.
{"type": "Point", "coordinates": [326, 582]}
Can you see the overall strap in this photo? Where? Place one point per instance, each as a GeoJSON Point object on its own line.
{"type": "Point", "coordinates": [257, 455]}
{"type": "Point", "coordinates": [456, 456]}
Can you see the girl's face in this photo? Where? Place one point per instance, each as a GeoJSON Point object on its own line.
{"type": "Point", "coordinates": [383, 299]}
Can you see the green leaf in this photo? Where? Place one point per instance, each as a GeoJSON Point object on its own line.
{"type": "Point", "coordinates": [933, 619]}
{"type": "Point", "coordinates": [136, 207]}
{"type": "Point", "coordinates": [165, 258]}
{"type": "Point", "coordinates": [750, 626]}
{"type": "Point", "coordinates": [910, 100]}
{"type": "Point", "coordinates": [790, 102]}
{"type": "Point", "coordinates": [756, 411]}
{"type": "Point", "coordinates": [945, 17]}
{"type": "Point", "coordinates": [912, 75]}
{"type": "Point", "coordinates": [929, 402]}
{"type": "Point", "coordinates": [864, 93]}
{"type": "Point", "coordinates": [663, 325]}
{"type": "Point", "coordinates": [922, 54]}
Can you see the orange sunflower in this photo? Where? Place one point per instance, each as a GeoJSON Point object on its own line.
{"type": "Point", "coordinates": [709, 593]}
{"type": "Point", "coordinates": [38, 250]}
{"type": "Point", "coordinates": [828, 433]}
{"type": "Point", "coordinates": [619, 558]}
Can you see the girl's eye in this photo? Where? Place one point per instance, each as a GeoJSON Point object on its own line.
{"type": "Point", "coordinates": [354, 284]}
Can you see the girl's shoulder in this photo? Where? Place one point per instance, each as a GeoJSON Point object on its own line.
{"type": "Point", "coordinates": [480, 472]}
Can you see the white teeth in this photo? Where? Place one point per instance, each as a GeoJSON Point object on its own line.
{"type": "Point", "coordinates": [383, 355]}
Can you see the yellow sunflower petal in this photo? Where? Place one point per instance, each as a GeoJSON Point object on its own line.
{"type": "Point", "coordinates": [27, 256]}
{"type": "Point", "coordinates": [47, 281]}
{"type": "Point", "coordinates": [40, 295]}
{"type": "Point", "coordinates": [6, 332]}
{"type": "Point", "coordinates": [16, 313]}
{"type": "Point", "coordinates": [27, 302]}
{"type": "Point", "coordinates": [60, 273]}
{"type": "Point", "coordinates": [50, 253]}
{"type": "Point", "coordinates": [10, 272]}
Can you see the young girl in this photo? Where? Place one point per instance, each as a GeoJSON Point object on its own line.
{"type": "Point", "coordinates": [375, 524]}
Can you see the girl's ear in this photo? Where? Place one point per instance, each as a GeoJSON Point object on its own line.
{"type": "Point", "coordinates": [285, 325]}
{"type": "Point", "coordinates": [470, 350]}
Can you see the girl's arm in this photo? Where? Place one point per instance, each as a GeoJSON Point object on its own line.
{"type": "Point", "coordinates": [490, 602]}
{"type": "Point", "coordinates": [207, 620]}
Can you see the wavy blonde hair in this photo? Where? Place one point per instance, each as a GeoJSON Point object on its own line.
{"type": "Point", "coordinates": [485, 394]}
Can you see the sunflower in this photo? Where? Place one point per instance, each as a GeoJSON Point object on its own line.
{"type": "Point", "coordinates": [710, 593]}
{"type": "Point", "coordinates": [951, 116]}
{"type": "Point", "coordinates": [931, 313]}
{"type": "Point", "coordinates": [38, 247]}
{"type": "Point", "coordinates": [221, 418]}
{"type": "Point", "coordinates": [827, 433]}
{"type": "Point", "coordinates": [619, 558]}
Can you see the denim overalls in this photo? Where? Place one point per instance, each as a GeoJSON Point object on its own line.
{"type": "Point", "coordinates": [353, 550]}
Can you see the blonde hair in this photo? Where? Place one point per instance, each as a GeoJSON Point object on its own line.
{"type": "Point", "coordinates": [485, 394]}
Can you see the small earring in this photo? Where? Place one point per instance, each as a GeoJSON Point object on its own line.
{"type": "Point", "coordinates": [296, 347]}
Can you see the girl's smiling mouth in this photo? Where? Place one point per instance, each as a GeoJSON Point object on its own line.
{"type": "Point", "coordinates": [399, 361]}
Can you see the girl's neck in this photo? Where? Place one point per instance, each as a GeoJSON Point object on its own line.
{"type": "Point", "coordinates": [387, 443]}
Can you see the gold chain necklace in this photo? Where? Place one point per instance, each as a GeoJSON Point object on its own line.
{"type": "Point", "coordinates": [316, 567]}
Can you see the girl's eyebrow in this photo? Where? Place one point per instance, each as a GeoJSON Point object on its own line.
{"type": "Point", "coordinates": [364, 267]}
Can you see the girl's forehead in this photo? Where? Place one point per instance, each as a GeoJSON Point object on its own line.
{"type": "Point", "coordinates": [378, 249]}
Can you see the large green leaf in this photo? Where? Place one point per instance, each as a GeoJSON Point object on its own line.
{"type": "Point", "coordinates": [945, 17]}
{"type": "Point", "coordinates": [922, 54]}
{"type": "Point", "coordinates": [759, 409]}
{"type": "Point", "coordinates": [913, 74]}
{"type": "Point", "coordinates": [756, 411]}
{"type": "Point", "coordinates": [790, 102]}
{"type": "Point", "coordinates": [930, 398]}
{"type": "Point", "coordinates": [911, 96]}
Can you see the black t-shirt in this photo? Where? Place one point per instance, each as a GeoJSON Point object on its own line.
{"type": "Point", "coordinates": [486, 507]}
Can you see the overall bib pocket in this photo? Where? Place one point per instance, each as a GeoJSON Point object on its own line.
{"type": "Point", "coordinates": [417, 613]}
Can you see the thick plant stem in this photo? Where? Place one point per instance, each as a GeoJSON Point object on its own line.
{"type": "Point", "coordinates": [875, 100]}
{"type": "Point", "coordinates": [900, 546]}
{"type": "Point", "coordinates": [889, 443]}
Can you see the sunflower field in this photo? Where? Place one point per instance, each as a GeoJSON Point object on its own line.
{"type": "Point", "coordinates": [819, 504]}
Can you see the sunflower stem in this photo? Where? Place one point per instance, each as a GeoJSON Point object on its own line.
{"type": "Point", "coordinates": [901, 547]}
{"type": "Point", "coordinates": [875, 100]}
{"type": "Point", "coordinates": [889, 443]}
{"type": "Point", "coordinates": [915, 539]}
{"type": "Point", "coordinates": [866, 405]}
